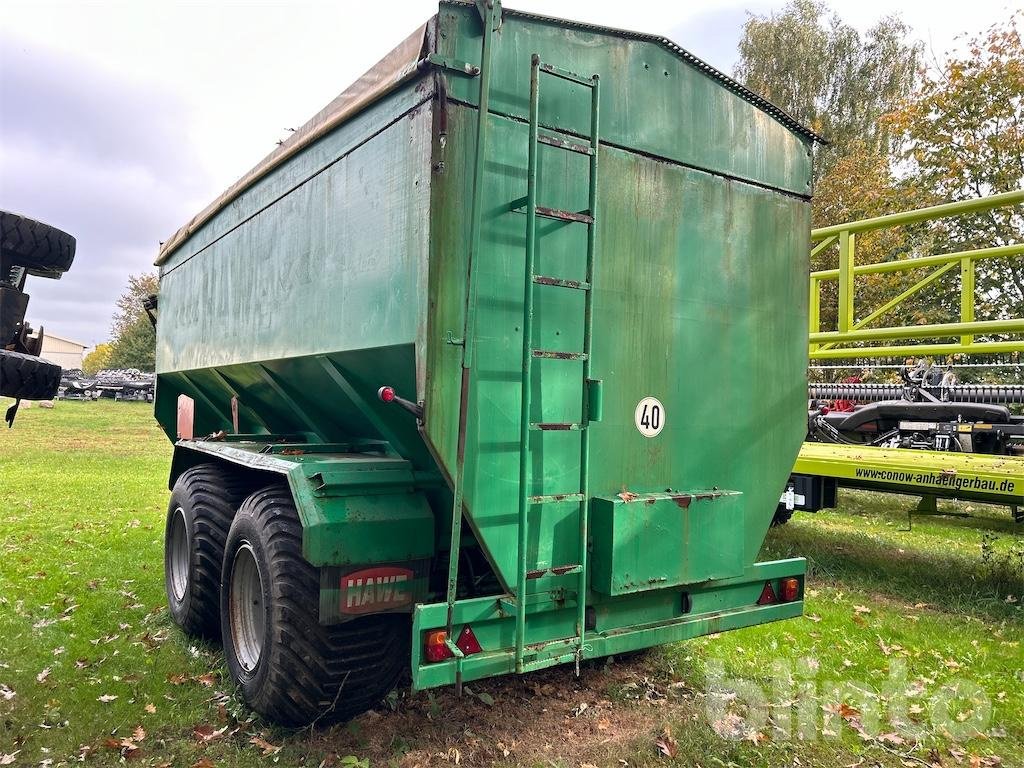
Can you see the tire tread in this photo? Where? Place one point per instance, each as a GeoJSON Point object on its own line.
{"type": "Point", "coordinates": [317, 673]}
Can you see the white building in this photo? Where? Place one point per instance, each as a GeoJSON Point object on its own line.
{"type": "Point", "coordinates": [65, 352]}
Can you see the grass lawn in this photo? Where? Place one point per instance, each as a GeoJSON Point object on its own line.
{"type": "Point", "coordinates": [910, 652]}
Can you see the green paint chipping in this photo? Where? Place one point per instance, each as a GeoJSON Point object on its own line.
{"type": "Point", "coordinates": [677, 275]}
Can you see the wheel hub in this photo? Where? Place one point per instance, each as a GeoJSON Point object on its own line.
{"type": "Point", "coordinates": [245, 607]}
{"type": "Point", "coordinates": [179, 555]}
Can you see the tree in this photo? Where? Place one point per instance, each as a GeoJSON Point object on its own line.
{"type": "Point", "coordinates": [98, 359]}
{"type": "Point", "coordinates": [135, 347]}
{"type": "Point", "coordinates": [133, 337]}
{"type": "Point", "coordinates": [962, 137]}
{"type": "Point", "coordinates": [822, 72]}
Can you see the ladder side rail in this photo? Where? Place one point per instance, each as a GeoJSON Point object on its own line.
{"type": "Point", "coordinates": [525, 409]}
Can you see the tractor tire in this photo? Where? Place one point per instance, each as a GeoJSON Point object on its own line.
{"type": "Point", "coordinates": [43, 250]}
{"type": "Point", "coordinates": [203, 502]}
{"type": "Point", "coordinates": [290, 668]}
{"type": "Point", "coordinates": [28, 377]}
{"type": "Point", "coordinates": [782, 516]}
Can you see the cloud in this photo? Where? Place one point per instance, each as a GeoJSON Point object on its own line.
{"type": "Point", "coordinates": [102, 156]}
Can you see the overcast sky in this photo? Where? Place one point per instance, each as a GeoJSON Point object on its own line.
{"type": "Point", "coordinates": [119, 121]}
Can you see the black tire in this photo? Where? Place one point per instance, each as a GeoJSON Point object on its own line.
{"type": "Point", "coordinates": [203, 502]}
{"type": "Point", "coordinates": [43, 250]}
{"type": "Point", "coordinates": [28, 377]}
{"type": "Point", "coordinates": [301, 672]}
{"type": "Point", "coordinates": [782, 516]}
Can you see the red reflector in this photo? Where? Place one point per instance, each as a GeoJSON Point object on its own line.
{"type": "Point", "coordinates": [467, 642]}
{"type": "Point", "coordinates": [789, 589]}
{"type": "Point", "coordinates": [767, 595]}
{"type": "Point", "coordinates": [433, 646]}
{"type": "Point", "coordinates": [386, 394]}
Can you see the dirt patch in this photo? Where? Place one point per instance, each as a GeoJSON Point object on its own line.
{"type": "Point", "coordinates": [544, 717]}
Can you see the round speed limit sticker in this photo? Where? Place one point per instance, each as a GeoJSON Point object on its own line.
{"type": "Point", "coordinates": [649, 416]}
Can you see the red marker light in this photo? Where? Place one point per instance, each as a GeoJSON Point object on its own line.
{"type": "Point", "coordinates": [790, 589]}
{"type": "Point", "coordinates": [386, 394]}
{"type": "Point", "coordinates": [434, 647]}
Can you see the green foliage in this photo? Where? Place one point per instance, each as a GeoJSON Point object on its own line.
{"type": "Point", "coordinates": [134, 340]}
{"type": "Point", "coordinates": [962, 137]}
{"type": "Point", "coordinates": [821, 71]}
{"type": "Point", "coordinates": [135, 347]}
{"type": "Point", "coordinates": [97, 360]}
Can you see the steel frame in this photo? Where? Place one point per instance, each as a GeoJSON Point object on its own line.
{"type": "Point", "coordinates": [839, 343]}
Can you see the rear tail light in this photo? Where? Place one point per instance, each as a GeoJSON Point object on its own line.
{"type": "Point", "coordinates": [435, 644]}
{"type": "Point", "coordinates": [434, 647]}
{"type": "Point", "coordinates": [767, 595]}
{"type": "Point", "coordinates": [789, 589]}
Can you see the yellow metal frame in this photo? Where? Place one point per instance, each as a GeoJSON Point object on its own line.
{"type": "Point", "coordinates": [846, 340]}
{"type": "Point", "coordinates": [981, 477]}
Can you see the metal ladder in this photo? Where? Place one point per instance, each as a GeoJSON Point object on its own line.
{"type": "Point", "coordinates": [530, 353]}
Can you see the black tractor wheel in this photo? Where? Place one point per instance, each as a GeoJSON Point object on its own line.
{"type": "Point", "coordinates": [27, 377]}
{"type": "Point", "coordinates": [43, 250]}
{"type": "Point", "coordinates": [203, 502]}
{"type": "Point", "coordinates": [782, 516]}
{"type": "Point", "coordinates": [289, 667]}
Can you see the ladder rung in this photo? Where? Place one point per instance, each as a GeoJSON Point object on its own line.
{"type": "Point", "coordinates": [567, 75]}
{"type": "Point", "coordinates": [556, 213]}
{"type": "Point", "coordinates": [554, 354]}
{"type": "Point", "coordinates": [579, 285]}
{"type": "Point", "coordinates": [554, 498]}
{"type": "Point", "coordinates": [555, 570]}
{"type": "Point", "coordinates": [556, 426]}
{"type": "Point", "coordinates": [560, 143]}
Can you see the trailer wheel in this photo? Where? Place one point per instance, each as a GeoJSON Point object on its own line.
{"type": "Point", "coordinates": [28, 377]}
{"type": "Point", "coordinates": [289, 667]}
{"type": "Point", "coordinates": [202, 504]}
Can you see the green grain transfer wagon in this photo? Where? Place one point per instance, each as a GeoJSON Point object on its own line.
{"type": "Point", "coordinates": [548, 275]}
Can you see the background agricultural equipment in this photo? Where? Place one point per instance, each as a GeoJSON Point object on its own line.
{"type": "Point", "coordinates": [860, 431]}
{"type": "Point", "coordinates": [445, 372]}
{"type": "Point", "coordinates": [27, 247]}
{"type": "Point", "coordinates": [122, 384]}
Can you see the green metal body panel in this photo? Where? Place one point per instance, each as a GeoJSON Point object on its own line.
{"type": "Point", "coordinates": [355, 508]}
{"type": "Point", "coordinates": [642, 542]}
{"type": "Point", "coordinates": [625, 624]}
{"type": "Point", "coordinates": [344, 269]}
{"type": "Point", "coordinates": [700, 300]}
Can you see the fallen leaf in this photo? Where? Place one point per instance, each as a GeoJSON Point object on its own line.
{"type": "Point", "coordinates": [204, 762]}
{"type": "Point", "coordinates": [8, 759]}
{"type": "Point", "coordinates": [150, 708]}
{"type": "Point", "coordinates": [177, 679]}
{"type": "Point", "coordinates": [628, 496]}
{"type": "Point", "coordinates": [206, 733]}
{"type": "Point", "coordinates": [41, 677]}
{"type": "Point", "coordinates": [139, 734]}
{"type": "Point", "coordinates": [264, 745]}
{"type": "Point", "coordinates": [106, 698]}
{"type": "Point", "coordinates": [666, 744]}
{"type": "Point", "coordinates": [209, 679]}
{"type": "Point", "coordinates": [861, 609]}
